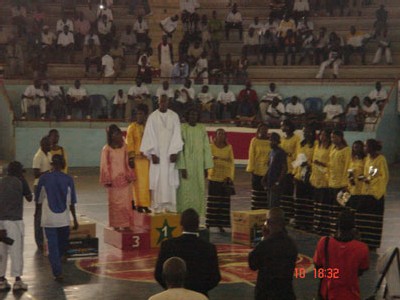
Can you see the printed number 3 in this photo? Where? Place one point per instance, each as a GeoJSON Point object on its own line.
{"type": "Point", "coordinates": [135, 241]}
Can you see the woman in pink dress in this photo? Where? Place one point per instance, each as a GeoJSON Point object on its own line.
{"type": "Point", "coordinates": [117, 176]}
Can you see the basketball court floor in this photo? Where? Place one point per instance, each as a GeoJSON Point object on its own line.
{"type": "Point", "coordinates": [117, 274]}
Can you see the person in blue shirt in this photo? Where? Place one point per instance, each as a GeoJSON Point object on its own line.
{"type": "Point", "coordinates": [56, 196]}
{"type": "Point", "coordinates": [277, 168]}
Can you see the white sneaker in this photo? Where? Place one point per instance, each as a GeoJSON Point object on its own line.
{"type": "Point", "coordinates": [4, 285]}
{"type": "Point", "coordinates": [23, 117]}
{"type": "Point", "coordinates": [20, 285]}
{"type": "Point", "coordinates": [88, 117]}
{"type": "Point", "coordinates": [69, 117]}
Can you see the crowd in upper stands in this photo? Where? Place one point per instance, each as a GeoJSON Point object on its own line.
{"type": "Point", "coordinates": [197, 61]}
{"type": "Point", "coordinates": [94, 39]}
{"type": "Point", "coordinates": [247, 108]}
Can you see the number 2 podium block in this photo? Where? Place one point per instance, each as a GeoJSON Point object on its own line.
{"type": "Point", "coordinates": [137, 239]}
{"type": "Point", "coordinates": [159, 226]}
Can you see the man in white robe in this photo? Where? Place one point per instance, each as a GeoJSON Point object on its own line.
{"type": "Point", "coordinates": [161, 143]}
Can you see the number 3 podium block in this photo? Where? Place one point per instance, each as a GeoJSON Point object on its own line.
{"type": "Point", "coordinates": [126, 240]}
{"type": "Point", "coordinates": [159, 226]}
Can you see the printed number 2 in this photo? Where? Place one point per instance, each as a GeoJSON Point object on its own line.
{"type": "Point", "coordinates": [135, 241]}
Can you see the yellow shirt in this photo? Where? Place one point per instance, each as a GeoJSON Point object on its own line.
{"type": "Point", "coordinates": [224, 164]}
{"type": "Point", "coordinates": [134, 136]}
{"type": "Point", "coordinates": [319, 174]}
{"type": "Point", "coordinates": [339, 160]}
{"type": "Point", "coordinates": [61, 152]}
{"type": "Point", "coordinates": [258, 156]}
{"type": "Point", "coordinates": [378, 182]}
{"type": "Point", "coordinates": [308, 152]}
{"type": "Point", "coordinates": [290, 147]}
{"type": "Point", "coordinates": [357, 165]}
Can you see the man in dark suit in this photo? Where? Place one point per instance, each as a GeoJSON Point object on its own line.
{"type": "Point", "coordinates": [274, 258]}
{"type": "Point", "coordinates": [200, 256]}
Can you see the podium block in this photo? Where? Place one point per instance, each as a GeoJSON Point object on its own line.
{"type": "Point", "coordinates": [160, 226]}
{"type": "Point", "coordinates": [138, 239]}
{"type": "Point", "coordinates": [246, 226]}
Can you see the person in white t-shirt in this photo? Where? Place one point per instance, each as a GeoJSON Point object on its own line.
{"type": "Point", "coordinates": [370, 112]}
{"type": "Point", "coordinates": [266, 100]}
{"type": "Point", "coordinates": [105, 30]}
{"type": "Point", "coordinates": [295, 111]}
{"type": "Point", "coordinates": [77, 97]}
{"type": "Point", "coordinates": [137, 94]}
{"type": "Point", "coordinates": [275, 113]}
{"type": "Point", "coordinates": [141, 30]}
{"type": "Point", "coordinates": [105, 11]}
{"type": "Point", "coordinates": [234, 21]}
{"type": "Point", "coordinates": [165, 90]}
{"type": "Point", "coordinates": [169, 25]}
{"type": "Point", "coordinates": [174, 274]}
{"type": "Point", "coordinates": [119, 104]}
{"type": "Point", "coordinates": [33, 96]}
{"type": "Point", "coordinates": [226, 102]}
{"type": "Point", "coordinates": [48, 40]}
{"type": "Point", "coordinates": [200, 70]}
{"type": "Point", "coordinates": [333, 111]}
{"type": "Point", "coordinates": [378, 95]}
{"type": "Point", "coordinates": [41, 164]}
{"type": "Point", "coordinates": [65, 45]}
{"type": "Point", "coordinates": [64, 21]}
{"type": "Point", "coordinates": [206, 102]}
{"type": "Point", "coordinates": [165, 57]}
{"type": "Point", "coordinates": [301, 8]}
{"type": "Point", "coordinates": [107, 64]}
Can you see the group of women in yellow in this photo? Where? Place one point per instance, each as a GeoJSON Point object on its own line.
{"type": "Point", "coordinates": [322, 169]}
{"type": "Point", "coordinates": [124, 171]}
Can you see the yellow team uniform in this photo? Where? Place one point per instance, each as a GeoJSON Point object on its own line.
{"type": "Point", "coordinates": [308, 152]}
{"type": "Point", "coordinates": [319, 174]}
{"type": "Point", "coordinates": [224, 165]}
{"type": "Point", "coordinates": [357, 165]}
{"type": "Point", "coordinates": [377, 185]}
{"type": "Point", "coordinates": [258, 156]}
{"type": "Point", "coordinates": [339, 160]}
{"type": "Point", "coordinates": [289, 145]}
{"type": "Point", "coordinates": [141, 192]}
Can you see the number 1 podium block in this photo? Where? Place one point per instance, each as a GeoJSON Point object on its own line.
{"type": "Point", "coordinates": [159, 226]}
{"type": "Point", "coordinates": [137, 239]}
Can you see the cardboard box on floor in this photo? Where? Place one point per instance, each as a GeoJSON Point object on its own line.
{"type": "Point", "coordinates": [87, 228]}
{"type": "Point", "coordinates": [246, 224]}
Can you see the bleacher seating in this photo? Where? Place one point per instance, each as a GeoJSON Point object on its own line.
{"type": "Point", "coordinates": [162, 9]}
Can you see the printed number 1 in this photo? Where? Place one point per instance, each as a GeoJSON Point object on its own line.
{"type": "Point", "coordinates": [135, 241]}
{"type": "Point", "coordinates": [165, 230]}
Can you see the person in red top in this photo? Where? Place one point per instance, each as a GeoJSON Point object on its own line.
{"type": "Point", "coordinates": [340, 261]}
{"type": "Point", "coordinates": [249, 94]}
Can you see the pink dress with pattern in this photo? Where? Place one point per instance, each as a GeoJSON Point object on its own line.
{"type": "Point", "coordinates": [114, 170]}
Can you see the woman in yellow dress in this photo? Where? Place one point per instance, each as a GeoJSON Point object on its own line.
{"type": "Point", "coordinates": [319, 181]}
{"type": "Point", "coordinates": [54, 137]}
{"type": "Point", "coordinates": [257, 165]}
{"type": "Point", "coordinates": [303, 202]}
{"type": "Point", "coordinates": [370, 210]}
{"type": "Point", "coordinates": [289, 144]}
{"type": "Point", "coordinates": [339, 160]}
{"type": "Point", "coordinates": [223, 172]}
{"type": "Point", "coordinates": [139, 162]}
